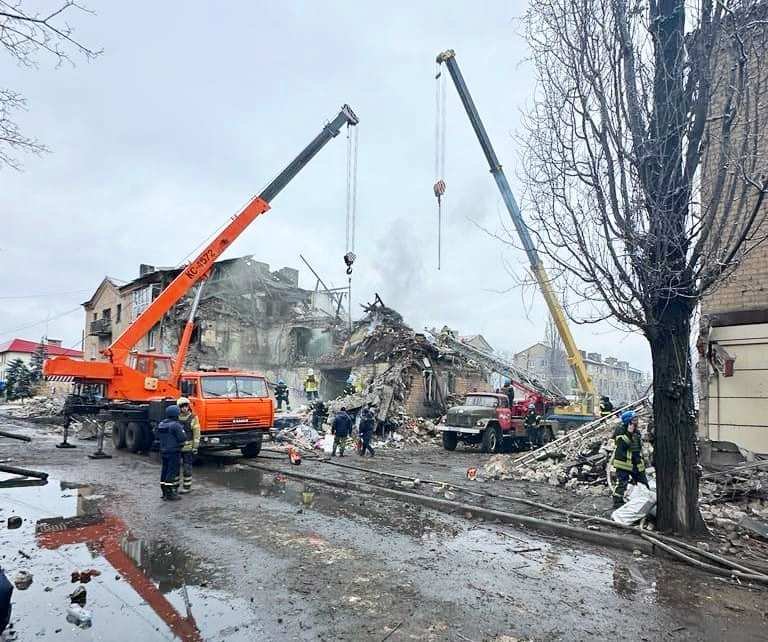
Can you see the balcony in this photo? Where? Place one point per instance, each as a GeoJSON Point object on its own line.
{"type": "Point", "coordinates": [101, 328]}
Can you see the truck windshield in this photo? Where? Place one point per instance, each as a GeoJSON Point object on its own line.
{"type": "Point", "coordinates": [484, 402]}
{"type": "Point", "coordinates": [234, 387]}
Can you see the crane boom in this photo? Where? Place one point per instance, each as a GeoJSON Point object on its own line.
{"type": "Point", "coordinates": [537, 267]}
{"type": "Point", "coordinates": [518, 376]}
{"type": "Point", "coordinates": [199, 267]}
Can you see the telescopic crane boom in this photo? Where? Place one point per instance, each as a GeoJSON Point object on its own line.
{"type": "Point", "coordinates": [537, 267]}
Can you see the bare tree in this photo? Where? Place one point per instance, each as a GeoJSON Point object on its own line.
{"type": "Point", "coordinates": [646, 179]}
{"type": "Point", "coordinates": [23, 35]}
{"type": "Point", "coordinates": [557, 370]}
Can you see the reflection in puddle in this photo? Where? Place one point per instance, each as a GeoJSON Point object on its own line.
{"type": "Point", "coordinates": [154, 590]}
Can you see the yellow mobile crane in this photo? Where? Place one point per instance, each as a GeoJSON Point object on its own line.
{"type": "Point", "coordinates": [589, 406]}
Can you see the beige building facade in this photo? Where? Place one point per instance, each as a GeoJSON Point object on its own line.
{"type": "Point", "coordinates": [612, 377]}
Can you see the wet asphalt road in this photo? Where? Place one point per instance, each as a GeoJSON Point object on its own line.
{"type": "Point", "coordinates": [253, 556]}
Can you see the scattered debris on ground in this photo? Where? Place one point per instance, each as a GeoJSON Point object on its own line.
{"type": "Point", "coordinates": [577, 461]}
{"type": "Point", "coordinates": [34, 407]}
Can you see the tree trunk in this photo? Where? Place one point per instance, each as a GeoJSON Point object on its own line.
{"type": "Point", "coordinates": [675, 423]}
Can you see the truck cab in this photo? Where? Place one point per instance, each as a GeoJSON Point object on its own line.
{"type": "Point", "coordinates": [484, 418]}
{"type": "Point", "coordinates": [234, 408]}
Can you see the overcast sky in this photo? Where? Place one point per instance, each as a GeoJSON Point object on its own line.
{"type": "Point", "coordinates": [194, 106]}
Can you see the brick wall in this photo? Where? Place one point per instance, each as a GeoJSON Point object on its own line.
{"type": "Point", "coordinates": [744, 288]}
{"type": "Point", "coordinates": [463, 383]}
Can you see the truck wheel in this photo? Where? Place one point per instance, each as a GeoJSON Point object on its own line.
{"type": "Point", "coordinates": [491, 440]}
{"type": "Point", "coordinates": [252, 449]}
{"type": "Point", "coordinates": [450, 439]}
{"type": "Point", "coordinates": [134, 437]}
{"type": "Point", "coordinates": [118, 435]}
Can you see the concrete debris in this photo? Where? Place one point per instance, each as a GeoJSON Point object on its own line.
{"type": "Point", "coordinates": [35, 407]}
{"type": "Point", "coordinates": [79, 616]}
{"type": "Point", "coordinates": [22, 580]}
{"type": "Point", "coordinates": [755, 526]}
{"type": "Point", "coordinates": [301, 435]}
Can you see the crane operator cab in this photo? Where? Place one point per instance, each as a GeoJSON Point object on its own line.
{"type": "Point", "coordinates": [154, 367]}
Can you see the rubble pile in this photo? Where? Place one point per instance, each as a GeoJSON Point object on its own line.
{"type": "Point", "coordinates": [579, 464]}
{"type": "Point", "coordinates": [734, 504]}
{"type": "Point", "coordinates": [301, 435]}
{"type": "Point", "coordinates": [35, 407]}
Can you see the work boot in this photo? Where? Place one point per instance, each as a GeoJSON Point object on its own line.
{"type": "Point", "coordinates": [173, 495]}
{"type": "Point", "coordinates": [165, 491]}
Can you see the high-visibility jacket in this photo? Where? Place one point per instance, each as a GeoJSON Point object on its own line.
{"type": "Point", "coordinates": [627, 455]}
{"type": "Point", "coordinates": [310, 384]}
{"type": "Point", "coordinates": [191, 429]}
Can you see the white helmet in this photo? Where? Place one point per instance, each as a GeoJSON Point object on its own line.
{"type": "Point", "coordinates": [310, 372]}
{"type": "Point", "coordinates": [182, 401]}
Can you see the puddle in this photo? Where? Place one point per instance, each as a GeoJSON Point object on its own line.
{"type": "Point", "coordinates": [142, 590]}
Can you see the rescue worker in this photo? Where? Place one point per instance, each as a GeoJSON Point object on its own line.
{"type": "Point", "coordinates": [628, 457]}
{"type": "Point", "coordinates": [319, 414]}
{"type": "Point", "coordinates": [311, 386]}
{"type": "Point", "coordinates": [189, 420]}
{"type": "Point", "coordinates": [367, 426]}
{"type": "Point", "coordinates": [170, 434]}
{"type": "Point", "coordinates": [531, 423]}
{"type": "Point", "coordinates": [606, 407]}
{"type": "Point", "coordinates": [509, 390]}
{"type": "Point", "coordinates": [341, 428]}
{"type": "Point", "coordinates": [281, 395]}
{"type": "Point", "coordinates": [349, 387]}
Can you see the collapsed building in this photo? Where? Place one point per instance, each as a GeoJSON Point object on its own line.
{"type": "Point", "coordinates": [399, 370]}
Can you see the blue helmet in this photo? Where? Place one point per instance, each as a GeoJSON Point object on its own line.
{"type": "Point", "coordinates": [172, 412]}
{"type": "Point", "coordinates": [280, 382]}
{"type": "Point", "coordinates": [627, 416]}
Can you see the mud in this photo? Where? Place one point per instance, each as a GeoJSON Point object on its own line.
{"type": "Point", "coordinates": [252, 555]}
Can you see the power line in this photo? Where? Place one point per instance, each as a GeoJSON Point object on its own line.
{"type": "Point", "coordinates": [42, 296]}
{"type": "Point", "coordinates": [36, 323]}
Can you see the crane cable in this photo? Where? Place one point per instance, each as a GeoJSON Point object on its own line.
{"type": "Point", "coordinates": [440, 127]}
{"type": "Point", "coordinates": [349, 257]}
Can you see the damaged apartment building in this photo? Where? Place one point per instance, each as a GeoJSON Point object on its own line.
{"type": "Point", "coordinates": [249, 317]}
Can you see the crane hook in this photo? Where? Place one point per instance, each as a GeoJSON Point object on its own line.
{"type": "Point", "coordinates": [349, 259]}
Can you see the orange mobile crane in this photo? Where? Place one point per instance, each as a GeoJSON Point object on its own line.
{"type": "Point", "coordinates": [133, 389]}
